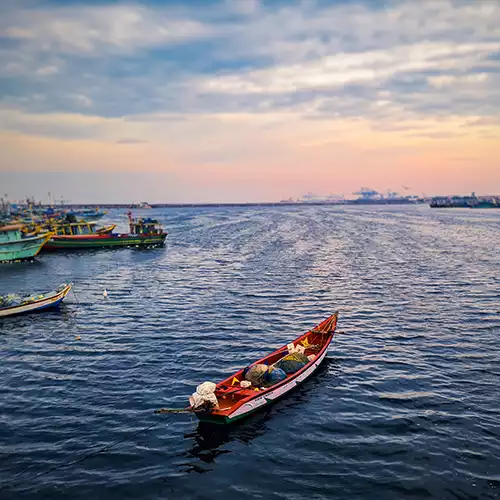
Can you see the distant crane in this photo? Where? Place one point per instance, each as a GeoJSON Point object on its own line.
{"type": "Point", "coordinates": [367, 193]}
{"type": "Point", "coordinates": [62, 201]}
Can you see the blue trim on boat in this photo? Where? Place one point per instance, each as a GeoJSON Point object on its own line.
{"type": "Point", "coordinates": [49, 306]}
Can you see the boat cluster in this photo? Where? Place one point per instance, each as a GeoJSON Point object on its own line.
{"type": "Point", "coordinates": [238, 396]}
{"type": "Point", "coordinates": [24, 235]}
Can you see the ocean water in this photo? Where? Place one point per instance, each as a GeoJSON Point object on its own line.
{"type": "Point", "coordinates": [406, 405]}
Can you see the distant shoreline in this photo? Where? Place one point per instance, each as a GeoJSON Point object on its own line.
{"type": "Point", "coordinates": [215, 205]}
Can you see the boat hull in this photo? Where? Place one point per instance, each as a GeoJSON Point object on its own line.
{"type": "Point", "coordinates": [23, 249]}
{"type": "Point", "coordinates": [49, 302]}
{"type": "Point", "coordinates": [103, 241]}
{"type": "Point", "coordinates": [265, 400]}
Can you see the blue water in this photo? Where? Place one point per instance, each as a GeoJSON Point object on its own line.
{"type": "Point", "coordinates": [405, 406]}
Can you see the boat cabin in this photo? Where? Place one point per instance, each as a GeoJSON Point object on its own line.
{"type": "Point", "coordinates": [10, 233]}
{"type": "Point", "coordinates": [75, 228]}
{"type": "Point", "coordinates": [144, 226]}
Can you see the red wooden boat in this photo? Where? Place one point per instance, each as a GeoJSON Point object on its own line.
{"type": "Point", "coordinates": [235, 402]}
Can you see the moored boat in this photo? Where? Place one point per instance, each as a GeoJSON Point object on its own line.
{"type": "Point", "coordinates": [89, 213]}
{"type": "Point", "coordinates": [14, 245]}
{"type": "Point", "coordinates": [143, 232]}
{"type": "Point", "coordinates": [264, 381]}
{"type": "Point", "coordinates": [14, 304]}
{"type": "Point", "coordinates": [73, 227]}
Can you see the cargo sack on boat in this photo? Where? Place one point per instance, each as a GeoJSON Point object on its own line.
{"type": "Point", "coordinates": [255, 374]}
{"type": "Point", "coordinates": [207, 403]}
{"type": "Point", "coordinates": [295, 348]}
{"type": "Point", "coordinates": [273, 376]}
{"type": "Point", "coordinates": [204, 398]}
{"type": "Point", "coordinates": [206, 388]}
{"type": "Point", "coordinates": [292, 363]}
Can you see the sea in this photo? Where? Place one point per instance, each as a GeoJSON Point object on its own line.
{"type": "Point", "coordinates": [406, 404]}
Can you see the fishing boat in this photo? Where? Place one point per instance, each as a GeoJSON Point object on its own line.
{"type": "Point", "coordinates": [14, 245]}
{"type": "Point", "coordinates": [142, 204]}
{"type": "Point", "coordinates": [89, 213]}
{"type": "Point", "coordinates": [143, 233]}
{"type": "Point", "coordinates": [14, 304]}
{"type": "Point", "coordinates": [72, 227]}
{"type": "Point", "coordinates": [264, 381]}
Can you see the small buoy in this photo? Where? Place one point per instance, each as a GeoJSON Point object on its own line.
{"type": "Point", "coordinates": [78, 337]}
{"type": "Point", "coordinates": [105, 293]}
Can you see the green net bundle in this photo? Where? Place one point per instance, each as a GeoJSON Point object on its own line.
{"type": "Point", "coordinates": [292, 363]}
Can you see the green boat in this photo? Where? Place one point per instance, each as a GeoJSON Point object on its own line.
{"type": "Point", "coordinates": [143, 233]}
{"type": "Point", "coordinates": [15, 246]}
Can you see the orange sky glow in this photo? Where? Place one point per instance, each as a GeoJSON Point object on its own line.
{"type": "Point", "coordinates": [419, 117]}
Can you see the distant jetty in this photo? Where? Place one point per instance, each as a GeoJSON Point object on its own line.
{"type": "Point", "coordinates": [367, 197]}
{"type": "Point", "coordinates": [92, 206]}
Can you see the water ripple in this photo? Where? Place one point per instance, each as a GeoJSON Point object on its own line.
{"type": "Point", "coordinates": [405, 406]}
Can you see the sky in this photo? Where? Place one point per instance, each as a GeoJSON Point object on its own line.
{"type": "Point", "coordinates": [247, 100]}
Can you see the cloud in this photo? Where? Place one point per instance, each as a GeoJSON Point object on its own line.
{"type": "Point", "coordinates": [322, 61]}
{"type": "Point", "coordinates": [82, 99]}
{"type": "Point", "coordinates": [131, 141]}
{"type": "Point", "coordinates": [308, 32]}
{"type": "Point", "coordinates": [250, 156]}
{"type": "Point", "coordinates": [251, 85]}
{"type": "Point", "coordinates": [342, 69]}
{"type": "Point", "coordinates": [484, 121]}
{"type": "Point", "coordinates": [94, 29]}
{"type": "Point", "coordinates": [47, 71]}
{"type": "Point", "coordinates": [56, 125]}
{"type": "Point", "coordinates": [17, 33]}
{"type": "Point", "coordinates": [243, 7]}
{"type": "Point", "coordinates": [448, 80]}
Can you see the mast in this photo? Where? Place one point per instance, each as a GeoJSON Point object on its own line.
{"type": "Point", "coordinates": [130, 222]}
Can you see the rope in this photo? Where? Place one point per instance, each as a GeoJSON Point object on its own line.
{"type": "Point", "coordinates": [73, 315]}
{"type": "Point", "coordinates": [81, 459]}
{"type": "Point", "coordinates": [176, 410]}
{"type": "Point", "coordinates": [76, 298]}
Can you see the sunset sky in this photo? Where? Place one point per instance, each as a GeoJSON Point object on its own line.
{"type": "Point", "coordinates": [247, 100]}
